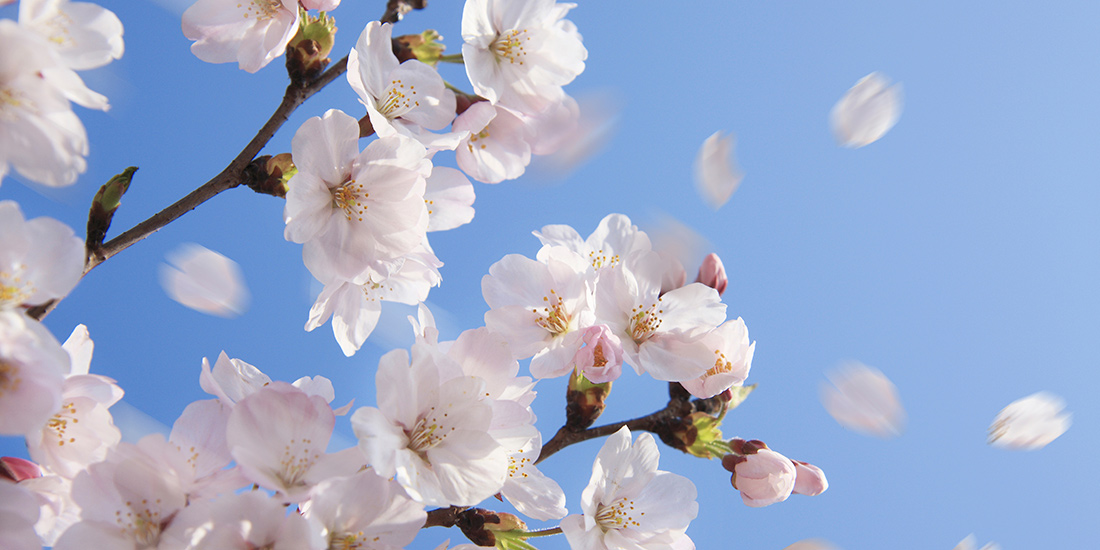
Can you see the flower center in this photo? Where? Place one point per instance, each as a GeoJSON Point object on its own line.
{"type": "Point", "coordinates": [553, 317]}
{"type": "Point", "coordinates": [721, 364]}
{"type": "Point", "coordinates": [517, 466]}
{"type": "Point", "coordinates": [296, 463]}
{"type": "Point", "coordinates": [510, 46]}
{"type": "Point", "coordinates": [350, 541]}
{"type": "Point", "coordinates": [617, 515]}
{"type": "Point", "coordinates": [9, 377]}
{"type": "Point", "coordinates": [474, 138]}
{"type": "Point", "coordinates": [11, 101]}
{"type": "Point", "coordinates": [600, 259]}
{"type": "Point", "coordinates": [141, 524]}
{"type": "Point", "coordinates": [426, 434]}
{"type": "Point", "coordinates": [349, 197]}
{"type": "Point", "coordinates": [645, 321]}
{"type": "Point", "coordinates": [262, 10]}
{"type": "Point", "coordinates": [60, 422]}
{"type": "Point", "coordinates": [398, 100]}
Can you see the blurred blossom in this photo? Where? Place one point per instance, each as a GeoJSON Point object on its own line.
{"type": "Point", "coordinates": [204, 281]}
{"type": "Point", "coordinates": [863, 400]}
{"type": "Point", "coordinates": [971, 542]}
{"type": "Point", "coordinates": [811, 544]}
{"type": "Point", "coordinates": [574, 143]}
{"type": "Point", "coordinates": [1030, 423]}
{"type": "Point", "coordinates": [716, 172]}
{"type": "Point", "coordinates": [867, 111]}
{"type": "Point", "coordinates": [678, 245]}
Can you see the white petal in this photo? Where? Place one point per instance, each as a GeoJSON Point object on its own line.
{"type": "Point", "coordinates": [79, 347]}
{"type": "Point", "coordinates": [716, 172]}
{"type": "Point", "coordinates": [205, 281]}
{"type": "Point", "coordinates": [864, 400]}
{"type": "Point", "coordinates": [867, 111]}
{"type": "Point", "coordinates": [1029, 423]}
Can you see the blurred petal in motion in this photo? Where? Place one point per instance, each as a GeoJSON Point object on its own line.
{"type": "Point", "coordinates": [1030, 423]}
{"type": "Point", "coordinates": [811, 544]}
{"type": "Point", "coordinates": [867, 111]}
{"type": "Point", "coordinates": [716, 172]}
{"type": "Point", "coordinates": [204, 281]}
{"type": "Point", "coordinates": [971, 542]}
{"type": "Point", "coordinates": [863, 400]}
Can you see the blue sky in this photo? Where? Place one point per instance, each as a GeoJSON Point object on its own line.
{"type": "Point", "coordinates": [959, 254]}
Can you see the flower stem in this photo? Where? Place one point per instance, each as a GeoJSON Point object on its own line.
{"type": "Point", "coordinates": [451, 58]}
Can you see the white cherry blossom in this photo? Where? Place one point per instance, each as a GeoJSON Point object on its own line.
{"type": "Point", "coordinates": [614, 239]}
{"type": "Point", "coordinates": [18, 515]}
{"type": "Point", "coordinates": [867, 111]}
{"type": "Point", "coordinates": [629, 503]}
{"type": "Point", "coordinates": [248, 32]}
{"type": "Point", "coordinates": [450, 198]}
{"type": "Point", "coordinates": [732, 360]}
{"type": "Point", "coordinates": [520, 54]}
{"type": "Point", "coordinates": [32, 370]}
{"type": "Point", "coordinates": [40, 259]}
{"type": "Point", "coordinates": [431, 433]}
{"type": "Point", "coordinates": [532, 492]}
{"type": "Point", "coordinates": [403, 98]}
{"type": "Point", "coordinates": [246, 520]}
{"type": "Point", "coordinates": [716, 173]}
{"type": "Point", "coordinates": [354, 210]}
{"type": "Point", "coordinates": [1030, 423]}
{"type": "Point", "coordinates": [363, 511]}
{"type": "Point", "coordinates": [498, 145]}
{"type": "Point", "coordinates": [85, 35]}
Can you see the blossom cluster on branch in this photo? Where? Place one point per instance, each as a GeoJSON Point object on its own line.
{"type": "Point", "coordinates": [452, 425]}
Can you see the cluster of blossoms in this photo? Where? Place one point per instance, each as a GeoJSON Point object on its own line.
{"type": "Point", "coordinates": [40, 136]}
{"type": "Point", "coordinates": [453, 423]}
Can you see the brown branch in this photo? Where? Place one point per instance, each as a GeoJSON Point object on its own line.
{"type": "Point", "coordinates": [396, 9]}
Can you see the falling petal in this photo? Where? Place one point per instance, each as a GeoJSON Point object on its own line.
{"type": "Point", "coordinates": [716, 172]}
{"type": "Point", "coordinates": [863, 400]}
{"type": "Point", "coordinates": [867, 111]}
{"type": "Point", "coordinates": [204, 281]}
{"type": "Point", "coordinates": [971, 542]}
{"type": "Point", "coordinates": [811, 544]}
{"type": "Point", "coordinates": [1030, 423]}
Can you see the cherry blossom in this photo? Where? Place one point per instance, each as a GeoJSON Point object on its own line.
{"type": "Point", "coordinates": [867, 111]}
{"type": "Point", "coordinates": [400, 98]}
{"type": "Point", "coordinates": [32, 370]}
{"type": "Point", "coordinates": [863, 400]}
{"type": "Point", "coordinates": [450, 198]}
{"type": "Point", "coordinates": [717, 176]}
{"type": "Point", "coordinates": [363, 511]}
{"type": "Point", "coordinates": [520, 54]}
{"type": "Point", "coordinates": [732, 360]}
{"type": "Point", "coordinates": [278, 436]}
{"type": "Point", "coordinates": [762, 475]}
{"type": "Point", "coordinates": [497, 147]}
{"type": "Point", "coordinates": [1030, 423]}
{"type": "Point", "coordinates": [354, 210]}
{"type": "Point", "coordinates": [245, 520]}
{"type": "Point", "coordinates": [614, 239]}
{"type": "Point", "coordinates": [541, 307]}
{"type": "Point", "coordinates": [204, 281]}
{"type": "Point", "coordinates": [809, 480]}
{"type": "Point", "coordinates": [85, 35]}
{"type": "Point", "coordinates": [629, 503]}
{"type": "Point", "coordinates": [601, 358]}
{"type": "Point", "coordinates": [40, 259]}
{"type": "Point", "coordinates": [431, 433]}
{"type": "Point", "coordinates": [249, 32]}
{"type": "Point", "coordinates": [18, 514]}
{"type": "Point", "coordinates": [532, 493]}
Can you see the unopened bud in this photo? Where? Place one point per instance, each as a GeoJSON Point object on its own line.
{"type": "Point", "coordinates": [810, 480]}
{"type": "Point", "coordinates": [712, 273]}
{"type": "Point", "coordinates": [17, 469]}
{"type": "Point", "coordinates": [506, 522]}
{"type": "Point", "coordinates": [307, 53]}
{"type": "Point", "coordinates": [762, 475]}
{"type": "Point", "coordinates": [106, 201]}
{"type": "Point", "coordinates": [425, 47]}
{"type": "Point", "coordinates": [584, 401]}
{"type": "Point", "coordinates": [270, 175]}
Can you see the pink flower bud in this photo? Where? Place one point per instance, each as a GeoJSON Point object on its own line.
{"type": "Point", "coordinates": [601, 357]}
{"type": "Point", "coordinates": [712, 273]}
{"type": "Point", "coordinates": [810, 481]}
{"type": "Point", "coordinates": [762, 475]}
{"type": "Point", "coordinates": [17, 469]}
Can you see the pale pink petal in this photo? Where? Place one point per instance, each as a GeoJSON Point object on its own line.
{"type": "Point", "coordinates": [1030, 423]}
{"type": "Point", "coordinates": [717, 175]}
{"type": "Point", "coordinates": [867, 111]}
{"type": "Point", "coordinates": [863, 400]}
{"type": "Point", "coordinates": [204, 281]}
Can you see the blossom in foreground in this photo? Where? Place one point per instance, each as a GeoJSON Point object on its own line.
{"type": "Point", "coordinates": [40, 259]}
{"type": "Point", "coordinates": [762, 475]}
{"type": "Point", "coordinates": [732, 360]}
{"type": "Point", "coordinates": [863, 400]}
{"type": "Point", "coordinates": [519, 55]}
{"type": "Point", "coordinates": [278, 436]}
{"type": "Point", "coordinates": [431, 433]}
{"type": "Point", "coordinates": [450, 199]}
{"type": "Point", "coordinates": [867, 111]}
{"type": "Point", "coordinates": [354, 210]}
{"type": "Point", "coordinates": [18, 514]}
{"type": "Point", "coordinates": [40, 136]}
{"type": "Point", "coordinates": [614, 239]}
{"type": "Point", "coordinates": [1030, 423]}
{"type": "Point", "coordinates": [245, 520]}
{"type": "Point", "coordinates": [532, 493]}
{"type": "Point", "coordinates": [400, 98]}
{"type": "Point", "coordinates": [85, 35]}
{"type": "Point", "coordinates": [32, 370]}
{"type": "Point", "coordinates": [204, 281]}
{"type": "Point", "coordinates": [629, 503]}
{"type": "Point", "coordinates": [716, 173]}
{"type": "Point", "coordinates": [249, 32]}
{"type": "Point", "coordinates": [81, 431]}
{"type": "Point", "coordinates": [363, 511]}
{"type": "Point", "coordinates": [497, 147]}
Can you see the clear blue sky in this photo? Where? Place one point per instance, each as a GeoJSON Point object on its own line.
{"type": "Point", "coordinates": [960, 254]}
